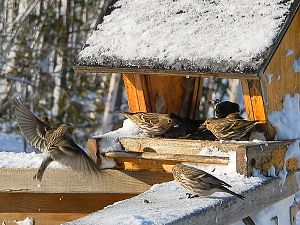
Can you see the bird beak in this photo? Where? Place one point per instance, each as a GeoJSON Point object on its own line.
{"type": "Point", "coordinates": [202, 127]}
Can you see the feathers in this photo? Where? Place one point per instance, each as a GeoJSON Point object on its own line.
{"type": "Point", "coordinates": [57, 142]}
{"type": "Point", "coordinates": [233, 127]}
{"type": "Point", "coordinates": [199, 181]}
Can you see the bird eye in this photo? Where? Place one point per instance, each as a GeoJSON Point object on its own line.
{"type": "Point", "coordinates": [207, 122]}
{"type": "Point", "coordinates": [169, 120]}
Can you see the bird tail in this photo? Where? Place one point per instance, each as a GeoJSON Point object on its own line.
{"type": "Point", "coordinates": [233, 193]}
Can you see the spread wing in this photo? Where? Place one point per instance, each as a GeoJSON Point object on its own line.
{"type": "Point", "coordinates": [198, 175]}
{"type": "Point", "coordinates": [68, 153]}
{"type": "Point", "coordinates": [33, 129]}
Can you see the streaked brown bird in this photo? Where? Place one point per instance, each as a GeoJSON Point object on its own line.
{"type": "Point", "coordinates": [57, 142]}
{"type": "Point", "coordinates": [233, 127]}
{"type": "Point", "coordinates": [153, 124]}
{"type": "Point", "coordinates": [223, 109]}
{"type": "Point", "coordinates": [200, 182]}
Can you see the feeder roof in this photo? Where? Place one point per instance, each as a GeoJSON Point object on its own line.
{"type": "Point", "coordinates": [187, 36]}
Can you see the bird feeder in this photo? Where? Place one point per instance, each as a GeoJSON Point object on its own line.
{"type": "Point", "coordinates": [164, 59]}
{"type": "Point", "coordinates": [164, 49]}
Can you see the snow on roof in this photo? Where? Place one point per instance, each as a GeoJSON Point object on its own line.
{"type": "Point", "coordinates": [186, 35]}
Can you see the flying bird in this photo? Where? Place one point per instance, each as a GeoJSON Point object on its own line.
{"type": "Point", "coordinates": [200, 182]}
{"type": "Point", "coordinates": [153, 124]}
{"type": "Point", "coordinates": [223, 109]}
{"type": "Point", "coordinates": [232, 127]}
{"type": "Point", "coordinates": [56, 141]}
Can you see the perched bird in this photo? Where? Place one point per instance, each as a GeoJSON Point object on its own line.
{"type": "Point", "coordinates": [57, 142]}
{"type": "Point", "coordinates": [200, 182]}
{"type": "Point", "coordinates": [233, 127]}
{"type": "Point", "coordinates": [183, 127]}
{"type": "Point", "coordinates": [154, 124]}
{"type": "Point", "coordinates": [223, 109]}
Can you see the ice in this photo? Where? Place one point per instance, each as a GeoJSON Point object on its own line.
{"type": "Point", "coordinates": [27, 221]}
{"type": "Point", "coordinates": [224, 35]}
{"type": "Point", "coordinates": [289, 52]}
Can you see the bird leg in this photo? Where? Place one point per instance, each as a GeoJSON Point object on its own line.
{"type": "Point", "coordinates": [191, 195]}
{"type": "Point", "coordinates": [45, 163]}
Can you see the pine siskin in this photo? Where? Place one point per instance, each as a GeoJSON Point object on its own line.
{"type": "Point", "coordinates": [233, 127]}
{"type": "Point", "coordinates": [200, 182]}
{"type": "Point", "coordinates": [154, 124]}
{"type": "Point", "coordinates": [223, 109]}
{"type": "Point", "coordinates": [57, 142]}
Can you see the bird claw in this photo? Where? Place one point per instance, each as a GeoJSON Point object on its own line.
{"type": "Point", "coordinates": [191, 195]}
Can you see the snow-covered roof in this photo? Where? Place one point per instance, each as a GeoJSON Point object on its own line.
{"type": "Point", "coordinates": [218, 36]}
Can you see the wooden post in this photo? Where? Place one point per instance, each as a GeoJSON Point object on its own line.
{"type": "Point", "coordinates": [163, 94]}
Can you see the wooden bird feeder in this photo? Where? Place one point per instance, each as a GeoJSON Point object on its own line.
{"type": "Point", "coordinates": [256, 43]}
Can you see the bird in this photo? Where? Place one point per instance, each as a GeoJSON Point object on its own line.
{"type": "Point", "coordinates": [47, 121]}
{"type": "Point", "coordinates": [57, 142]}
{"type": "Point", "coordinates": [153, 124]}
{"type": "Point", "coordinates": [200, 182]}
{"type": "Point", "coordinates": [232, 127]}
{"type": "Point", "coordinates": [223, 109]}
{"type": "Point", "coordinates": [183, 127]}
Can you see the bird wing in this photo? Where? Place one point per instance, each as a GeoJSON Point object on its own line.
{"type": "Point", "coordinates": [71, 155]}
{"type": "Point", "coordinates": [197, 174]}
{"type": "Point", "coordinates": [33, 129]}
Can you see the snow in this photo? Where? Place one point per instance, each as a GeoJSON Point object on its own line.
{"type": "Point", "coordinates": [296, 65]}
{"type": "Point", "coordinates": [289, 52]}
{"type": "Point", "coordinates": [24, 160]}
{"type": "Point", "coordinates": [218, 169]}
{"type": "Point", "coordinates": [287, 122]}
{"type": "Point", "coordinates": [27, 221]}
{"type": "Point", "coordinates": [165, 203]}
{"type": "Point", "coordinates": [110, 141]}
{"type": "Point", "coordinates": [216, 36]}
{"type": "Point", "coordinates": [269, 76]}
{"type": "Point", "coordinates": [281, 210]}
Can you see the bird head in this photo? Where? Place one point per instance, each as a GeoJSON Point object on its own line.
{"type": "Point", "coordinates": [214, 102]}
{"type": "Point", "coordinates": [67, 128]}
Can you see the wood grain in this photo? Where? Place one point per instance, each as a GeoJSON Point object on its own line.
{"type": "Point", "coordinates": [21, 202]}
{"type": "Point", "coordinates": [284, 80]}
{"type": "Point", "coordinates": [169, 157]}
{"type": "Point", "coordinates": [67, 181]}
{"type": "Point", "coordinates": [97, 69]}
{"type": "Point", "coordinates": [40, 218]}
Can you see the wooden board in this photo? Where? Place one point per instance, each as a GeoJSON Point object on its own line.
{"type": "Point", "coordinates": [67, 181]}
{"type": "Point", "coordinates": [283, 79]}
{"type": "Point", "coordinates": [147, 93]}
{"type": "Point", "coordinates": [248, 155]}
{"type": "Point", "coordinates": [40, 218]}
{"type": "Point", "coordinates": [95, 69]}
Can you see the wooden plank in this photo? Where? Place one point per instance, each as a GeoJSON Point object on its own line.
{"type": "Point", "coordinates": [174, 146]}
{"type": "Point", "coordinates": [226, 211]}
{"type": "Point", "coordinates": [98, 69]}
{"type": "Point", "coordinates": [254, 103]}
{"type": "Point", "coordinates": [263, 157]}
{"type": "Point", "coordinates": [26, 202]}
{"type": "Point", "coordinates": [197, 94]}
{"type": "Point", "coordinates": [67, 181]}
{"type": "Point", "coordinates": [169, 157]}
{"type": "Point", "coordinates": [283, 79]}
{"type": "Point", "coordinates": [40, 218]}
{"type": "Point", "coordinates": [152, 94]}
